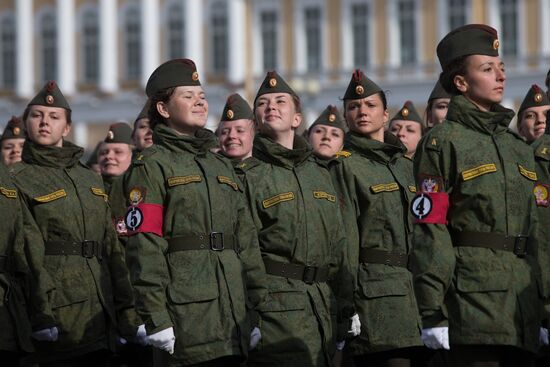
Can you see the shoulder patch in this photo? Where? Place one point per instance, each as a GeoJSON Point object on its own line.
{"type": "Point", "coordinates": [9, 193]}
{"type": "Point", "coordinates": [99, 192]}
{"type": "Point", "coordinates": [52, 196]}
{"type": "Point", "coordinates": [343, 153]}
{"type": "Point", "coordinates": [183, 180]}
{"type": "Point", "coordinates": [531, 175]}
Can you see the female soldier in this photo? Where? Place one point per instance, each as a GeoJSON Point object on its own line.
{"type": "Point", "coordinates": [237, 129]}
{"type": "Point", "coordinates": [438, 103]}
{"type": "Point", "coordinates": [326, 134]}
{"type": "Point", "coordinates": [532, 114]}
{"type": "Point", "coordinates": [301, 235]}
{"type": "Point", "coordinates": [376, 185]}
{"type": "Point", "coordinates": [408, 127]}
{"type": "Point", "coordinates": [143, 134]}
{"type": "Point", "coordinates": [192, 249]}
{"type": "Point", "coordinates": [16, 330]}
{"type": "Point", "coordinates": [12, 140]}
{"type": "Point", "coordinates": [475, 249]}
{"type": "Point", "coordinates": [84, 289]}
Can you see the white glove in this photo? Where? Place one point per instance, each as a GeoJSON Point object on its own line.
{"type": "Point", "coordinates": [340, 345]}
{"type": "Point", "coordinates": [164, 339]}
{"type": "Point", "coordinates": [355, 326]}
{"type": "Point", "coordinates": [141, 336]}
{"type": "Point", "coordinates": [46, 335]}
{"type": "Point", "coordinates": [436, 338]}
{"type": "Point", "coordinates": [255, 337]}
{"type": "Point", "coordinates": [543, 336]}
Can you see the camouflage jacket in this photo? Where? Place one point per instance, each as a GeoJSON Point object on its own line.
{"type": "Point", "coordinates": [84, 294]}
{"type": "Point", "coordinates": [376, 184]}
{"type": "Point", "coordinates": [14, 271]}
{"type": "Point", "coordinates": [487, 172]}
{"type": "Point", "coordinates": [198, 195]}
{"type": "Point", "coordinates": [294, 207]}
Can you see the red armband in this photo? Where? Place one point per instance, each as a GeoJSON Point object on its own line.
{"type": "Point", "coordinates": [145, 218]}
{"type": "Point", "coordinates": [430, 207]}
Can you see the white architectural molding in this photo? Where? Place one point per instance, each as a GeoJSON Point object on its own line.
{"type": "Point", "coordinates": [66, 46]}
{"type": "Point", "coordinates": [150, 38]}
{"type": "Point", "coordinates": [237, 35]}
{"type": "Point", "coordinates": [108, 52]}
{"type": "Point", "coordinates": [25, 59]}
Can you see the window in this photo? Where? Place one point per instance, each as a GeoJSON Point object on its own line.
{"type": "Point", "coordinates": [269, 39]}
{"type": "Point", "coordinates": [457, 13]}
{"type": "Point", "coordinates": [407, 29]}
{"type": "Point", "coordinates": [176, 29]}
{"type": "Point", "coordinates": [360, 34]}
{"type": "Point", "coordinates": [90, 40]}
{"type": "Point", "coordinates": [312, 18]}
{"type": "Point", "coordinates": [219, 37]}
{"type": "Point", "coordinates": [8, 53]}
{"type": "Point", "coordinates": [132, 28]}
{"type": "Point", "coordinates": [48, 32]}
{"type": "Point", "coordinates": [509, 19]}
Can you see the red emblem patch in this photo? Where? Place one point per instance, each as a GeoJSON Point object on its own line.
{"type": "Point", "coordinates": [430, 207]}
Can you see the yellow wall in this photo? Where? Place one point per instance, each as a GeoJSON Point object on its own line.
{"type": "Point", "coordinates": [288, 34]}
{"type": "Point", "coordinates": [332, 13]}
{"type": "Point", "coordinates": [532, 32]}
{"type": "Point", "coordinates": [429, 28]}
{"type": "Point", "coordinates": [380, 27]}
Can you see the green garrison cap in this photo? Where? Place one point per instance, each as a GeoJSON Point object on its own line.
{"type": "Point", "coordinates": [15, 129]}
{"type": "Point", "coordinates": [360, 86]}
{"type": "Point", "coordinates": [535, 97]}
{"type": "Point", "coordinates": [329, 117]}
{"type": "Point", "coordinates": [172, 73]}
{"type": "Point", "coordinates": [471, 39]}
{"type": "Point", "coordinates": [50, 96]}
{"type": "Point", "coordinates": [438, 92]}
{"type": "Point", "coordinates": [119, 133]}
{"type": "Point", "coordinates": [144, 113]}
{"type": "Point", "coordinates": [236, 108]}
{"type": "Point", "coordinates": [407, 113]}
{"type": "Point", "coordinates": [274, 83]}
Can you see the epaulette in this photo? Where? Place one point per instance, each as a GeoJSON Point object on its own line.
{"type": "Point", "coordinates": [343, 153]}
{"type": "Point", "coordinates": [139, 157]}
{"type": "Point", "coordinates": [246, 165]}
{"type": "Point", "coordinates": [543, 151]}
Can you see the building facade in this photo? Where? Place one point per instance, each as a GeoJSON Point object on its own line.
{"type": "Point", "coordinates": [101, 52]}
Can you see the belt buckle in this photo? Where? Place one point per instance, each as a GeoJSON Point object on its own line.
{"type": "Point", "coordinates": [520, 245]}
{"type": "Point", "coordinates": [216, 241]}
{"type": "Point", "coordinates": [88, 248]}
{"type": "Point", "coordinates": [310, 273]}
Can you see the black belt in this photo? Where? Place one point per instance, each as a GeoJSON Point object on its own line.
{"type": "Point", "coordinates": [308, 274]}
{"type": "Point", "coordinates": [516, 244]}
{"type": "Point", "coordinates": [84, 248]}
{"type": "Point", "coordinates": [215, 241]}
{"type": "Point", "coordinates": [383, 257]}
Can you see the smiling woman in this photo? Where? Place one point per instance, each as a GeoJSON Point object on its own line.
{"type": "Point", "coordinates": [237, 129]}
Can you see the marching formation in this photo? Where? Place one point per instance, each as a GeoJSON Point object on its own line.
{"type": "Point", "coordinates": [369, 241]}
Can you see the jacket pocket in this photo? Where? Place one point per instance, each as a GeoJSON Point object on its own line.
{"type": "Point", "coordinates": [471, 282]}
{"type": "Point", "coordinates": [374, 288]}
{"type": "Point", "coordinates": [184, 293]}
{"type": "Point", "coordinates": [284, 301]}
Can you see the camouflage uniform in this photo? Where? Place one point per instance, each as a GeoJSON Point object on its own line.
{"type": "Point", "coordinates": [301, 234]}
{"type": "Point", "coordinates": [84, 289]}
{"type": "Point", "coordinates": [15, 335]}
{"type": "Point", "coordinates": [464, 276]}
{"type": "Point", "coordinates": [182, 277]}
{"type": "Point", "coordinates": [377, 185]}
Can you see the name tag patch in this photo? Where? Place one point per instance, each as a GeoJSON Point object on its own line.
{"type": "Point", "coordinates": [183, 180]}
{"type": "Point", "coordinates": [279, 198]}
{"type": "Point", "coordinates": [526, 173]}
{"type": "Point", "coordinates": [387, 187]}
{"type": "Point", "coordinates": [228, 181]}
{"type": "Point", "coordinates": [324, 195]}
{"type": "Point", "coordinates": [51, 197]}
{"type": "Point", "coordinates": [99, 192]}
{"type": "Point", "coordinates": [478, 171]}
{"type": "Point", "coordinates": [11, 194]}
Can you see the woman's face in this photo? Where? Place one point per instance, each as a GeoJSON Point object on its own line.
{"type": "Point", "coordinates": [276, 114]}
{"type": "Point", "coordinates": [438, 111]}
{"type": "Point", "coordinates": [326, 140]}
{"type": "Point", "coordinates": [367, 116]}
{"type": "Point", "coordinates": [47, 126]}
{"type": "Point", "coordinates": [533, 122]}
{"type": "Point", "coordinates": [236, 138]}
{"type": "Point", "coordinates": [187, 109]}
{"type": "Point", "coordinates": [11, 150]}
{"type": "Point", "coordinates": [409, 132]}
{"type": "Point", "coordinates": [143, 134]}
{"type": "Point", "coordinates": [484, 80]}
{"type": "Point", "coordinates": [114, 158]}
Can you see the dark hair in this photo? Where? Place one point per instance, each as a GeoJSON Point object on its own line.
{"type": "Point", "coordinates": [68, 114]}
{"type": "Point", "coordinates": [456, 67]}
{"type": "Point", "coordinates": [164, 96]}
